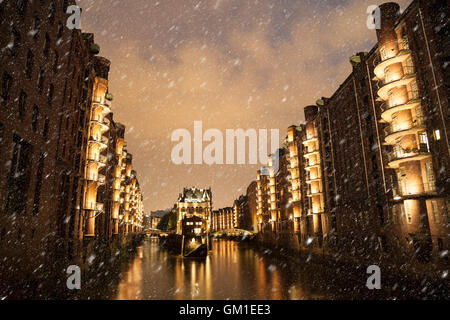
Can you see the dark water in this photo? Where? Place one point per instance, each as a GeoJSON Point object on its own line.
{"type": "Point", "coordinates": [244, 273]}
{"type": "Point", "coordinates": [230, 272]}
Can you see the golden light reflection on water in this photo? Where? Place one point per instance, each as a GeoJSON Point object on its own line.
{"type": "Point", "coordinates": [130, 286]}
{"type": "Point", "coordinates": [229, 272]}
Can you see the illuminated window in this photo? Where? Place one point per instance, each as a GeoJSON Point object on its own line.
{"type": "Point", "coordinates": [423, 138]}
{"type": "Point", "coordinates": [437, 135]}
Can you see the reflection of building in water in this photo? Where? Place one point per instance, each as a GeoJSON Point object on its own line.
{"type": "Point", "coordinates": [130, 287]}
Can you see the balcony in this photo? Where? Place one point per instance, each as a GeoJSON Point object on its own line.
{"type": "Point", "coordinates": [381, 66]}
{"type": "Point", "coordinates": [293, 165]}
{"type": "Point", "coordinates": [414, 190]}
{"type": "Point", "coordinates": [316, 211]}
{"type": "Point", "coordinates": [310, 180]}
{"type": "Point", "coordinates": [388, 109]}
{"type": "Point", "coordinates": [99, 207]}
{"type": "Point", "coordinates": [396, 157]}
{"type": "Point", "coordinates": [311, 152]}
{"type": "Point", "coordinates": [104, 125]}
{"type": "Point", "coordinates": [100, 160]}
{"type": "Point", "coordinates": [294, 179]}
{"type": "Point", "coordinates": [92, 178]}
{"type": "Point", "coordinates": [311, 138]}
{"type": "Point", "coordinates": [393, 132]}
{"type": "Point", "coordinates": [309, 166]}
{"type": "Point", "coordinates": [90, 205]}
{"type": "Point", "coordinates": [408, 77]}
{"type": "Point", "coordinates": [103, 159]}
{"type": "Point", "coordinates": [293, 156]}
{"type": "Point", "coordinates": [314, 193]}
{"type": "Point", "coordinates": [102, 142]}
{"type": "Point", "coordinates": [105, 107]}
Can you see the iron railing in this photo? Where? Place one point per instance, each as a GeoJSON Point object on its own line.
{"type": "Point", "coordinates": [412, 96]}
{"type": "Point", "coordinates": [407, 71]}
{"type": "Point", "coordinates": [417, 122]}
{"type": "Point", "coordinates": [415, 189]}
{"type": "Point", "coordinates": [400, 153]}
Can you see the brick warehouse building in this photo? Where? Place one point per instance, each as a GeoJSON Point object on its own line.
{"type": "Point", "coordinates": [56, 132]}
{"type": "Point", "coordinates": [369, 168]}
{"type": "Point", "coordinates": [251, 213]}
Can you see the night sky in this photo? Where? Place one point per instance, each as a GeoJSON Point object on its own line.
{"type": "Point", "coordinates": [229, 63]}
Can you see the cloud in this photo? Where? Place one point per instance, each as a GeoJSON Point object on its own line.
{"type": "Point", "coordinates": [230, 63]}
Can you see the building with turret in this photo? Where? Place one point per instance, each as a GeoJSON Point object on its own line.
{"type": "Point", "coordinates": [194, 207]}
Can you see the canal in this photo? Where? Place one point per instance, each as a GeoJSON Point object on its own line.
{"type": "Point", "coordinates": [242, 273]}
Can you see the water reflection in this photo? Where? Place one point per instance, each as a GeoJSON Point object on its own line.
{"type": "Point", "coordinates": [230, 272]}
{"type": "Point", "coordinates": [237, 273]}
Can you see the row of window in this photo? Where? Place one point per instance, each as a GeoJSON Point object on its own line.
{"type": "Point", "coordinates": [22, 6]}
{"type": "Point", "coordinates": [18, 181]}
{"type": "Point", "coordinates": [192, 223]}
{"type": "Point", "coordinates": [7, 83]}
{"type": "Point", "coordinates": [20, 234]}
{"type": "Point", "coordinates": [22, 105]}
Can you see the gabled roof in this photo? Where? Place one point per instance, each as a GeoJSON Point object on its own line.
{"type": "Point", "coordinates": [195, 195]}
